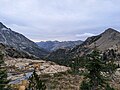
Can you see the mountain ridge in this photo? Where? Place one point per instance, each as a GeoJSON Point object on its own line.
{"type": "Point", "coordinates": [20, 42]}
{"type": "Point", "coordinates": [109, 39]}
{"type": "Point", "coordinates": [54, 45]}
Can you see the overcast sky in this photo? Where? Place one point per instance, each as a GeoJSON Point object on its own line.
{"type": "Point", "coordinates": [60, 19]}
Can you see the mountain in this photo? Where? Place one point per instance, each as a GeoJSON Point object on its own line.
{"type": "Point", "coordinates": [54, 45]}
{"type": "Point", "coordinates": [20, 42]}
{"type": "Point", "coordinates": [109, 39]}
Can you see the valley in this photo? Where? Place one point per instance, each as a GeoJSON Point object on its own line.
{"type": "Point", "coordinates": [60, 65]}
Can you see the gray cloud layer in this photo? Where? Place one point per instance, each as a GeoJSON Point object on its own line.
{"type": "Point", "coordinates": [60, 19]}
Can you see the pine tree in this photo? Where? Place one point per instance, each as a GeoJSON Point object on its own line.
{"type": "Point", "coordinates": [97, 70]}
{"type": "Point", "coordinates": [3, 73]}
{"type": "Point", "coordinates": [35, 83]}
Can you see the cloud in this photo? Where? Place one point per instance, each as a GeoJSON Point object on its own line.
{"type": "Point", "coordinates": [59, 19]}
{"type": "Point", "coordinates": [84, 35]}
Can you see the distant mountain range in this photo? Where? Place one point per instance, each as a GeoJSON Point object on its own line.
{"type": "Point", "coordinates": [55, 45]}
{"type": "Point", "coordinates": [109, 39]}
{"type": "Point", "coordinates": [20, 42]}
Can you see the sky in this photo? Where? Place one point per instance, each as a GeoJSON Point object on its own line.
{"type": "Point", "coordinates": [63, 20]}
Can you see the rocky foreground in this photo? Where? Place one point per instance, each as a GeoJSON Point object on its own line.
{"type": "Point", "coordinates": [20, 69]}
{"type": "Point", "coordinates": [56, 77]}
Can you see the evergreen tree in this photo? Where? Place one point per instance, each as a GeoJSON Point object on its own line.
{"type": "Point", "coordinates": [35, 83]}
{"type": "Point", "coordinates": [97, 72]}
{"type": "Point", "coordinates": [3, 73]}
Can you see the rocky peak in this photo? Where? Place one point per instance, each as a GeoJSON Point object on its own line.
{"type": "Point", "coordinates": [110, 30]}
{"type": "Point", "coordinates": [111, 34]}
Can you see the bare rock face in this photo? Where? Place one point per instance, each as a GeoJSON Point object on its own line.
{"type": "Point", "coordinates": [21, 69]}
{"type": "Point", "coordinates": [20, 42]}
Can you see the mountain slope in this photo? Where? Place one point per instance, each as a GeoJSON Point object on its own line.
{"type": "Point", "coordinates": [20, 42]}
{"type": "Point", "coordinates": [110, 39]}
{"type": "Point", "coordinates": [54, 45]}
{"type": "Point", "coordinates": [13, 52]}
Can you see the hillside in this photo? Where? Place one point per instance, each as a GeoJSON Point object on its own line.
{"type": "Point", "coordinates": [109, 39]}
{"type": "Point", "coordinates": [54, 45]}
{"type": "Point", "coordinates": [56, 77]}
{"type": "Point", "coordinates": [20, 42]}
{"type": "Point", "coordinates": [13, 52]}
